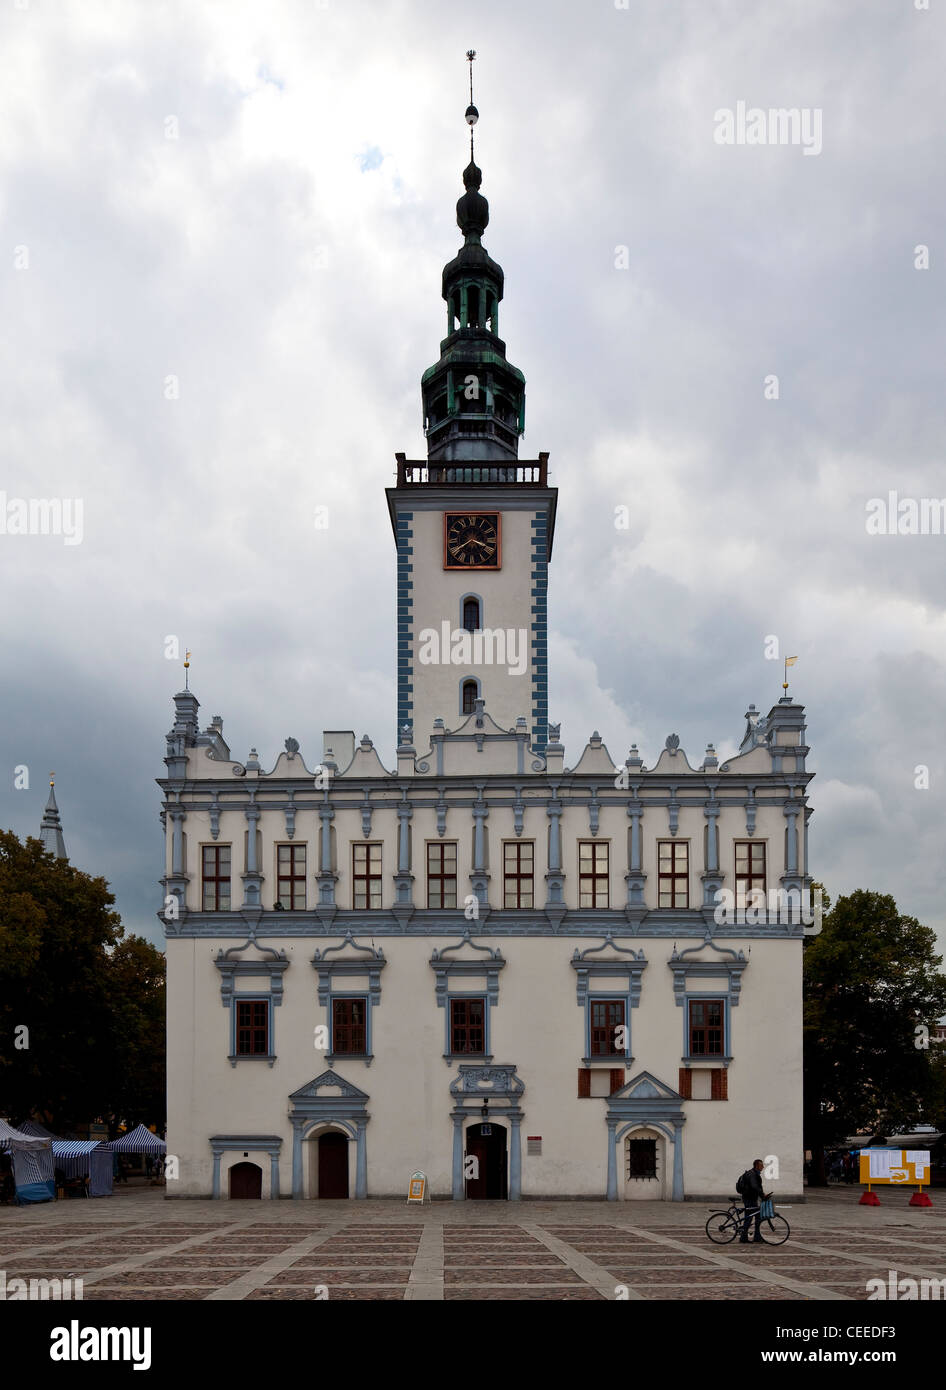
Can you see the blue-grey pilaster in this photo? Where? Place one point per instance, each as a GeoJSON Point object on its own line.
{"type": "Point", "coordinates": [677, 1160]}
{"type": "Point", "coordinates": [361, 1161]}
{"type": "Point", "coordinates": [555, 878]}
{"type": "Point", "coordinates": [612, 1161]}
{"type": "Point", "coordinates": [252, 878]}
{"type": "Point", "coordinates": [635, 876]}
{"type": "Point", "coordinates": [515, 1157]}
{"type": "Point", "coordinates": [458, 1193]}
{"type": "Point", "coordinates": [479, 878]}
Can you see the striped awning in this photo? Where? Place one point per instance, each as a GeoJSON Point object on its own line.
{"type": "Point", "coordinates": [9, 1135]}
{"type": "Point", "coordinates": [73, 1148]}
{"type": "Point", "coordinates": [139, 1141]}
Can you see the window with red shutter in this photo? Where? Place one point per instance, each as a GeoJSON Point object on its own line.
{"type": "Point", "coordinates": [584, 1083]}
{"type": "Point", "coordinates": [684, 1086]}
{"type": "Point", "coordinates": [719, 1083]}
{"type": "Point", "coordinates": [617, 1079]}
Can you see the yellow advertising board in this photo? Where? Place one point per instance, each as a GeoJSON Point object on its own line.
{"type": "Point", "coordinates": [891, 1167]}
{"type": "Point", "coordinates": [417, 1188]}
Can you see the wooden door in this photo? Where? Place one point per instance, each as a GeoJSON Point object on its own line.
{"type": "Point", "coordinates": [489, 1150]}
{"type": "Point", "coordinates": [333, 1165]}
{"type": "Point", "coordinates": [246, 1180]}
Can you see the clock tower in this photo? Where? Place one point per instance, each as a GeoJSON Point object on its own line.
{"type": "Point", "coordinates": [473, 523]}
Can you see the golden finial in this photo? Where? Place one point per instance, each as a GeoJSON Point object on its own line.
{"type": "Point", "coordinates": [187, 663]}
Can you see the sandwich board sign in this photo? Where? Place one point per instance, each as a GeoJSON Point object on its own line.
{"type": "Point", "coordinates": [417, 1188]}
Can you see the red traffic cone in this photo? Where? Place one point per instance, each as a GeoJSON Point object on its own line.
{"type": "Point", "coordinates": [869, 1199]}
{"type": "Point", "coordinates": [920, 1199]}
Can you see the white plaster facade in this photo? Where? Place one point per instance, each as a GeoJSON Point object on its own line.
{"type": "Point", "coordinates": [403, 1023]}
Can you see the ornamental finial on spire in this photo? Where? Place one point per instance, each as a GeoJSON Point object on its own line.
{"type": "Point", "coordinates": [471, 114]}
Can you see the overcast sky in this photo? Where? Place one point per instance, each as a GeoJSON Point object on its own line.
{"type": "Point", "coordinates": [281, 258]}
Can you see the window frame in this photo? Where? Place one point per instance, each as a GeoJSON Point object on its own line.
{"type": "Point", "coordinates": [217, 878]}
{"type": "Point", "coordinates": [518, 877]}
{"type": "Point", "coordinates": [600, 1000]}
{"type": "Point", "coordinates": [674, 874]}
{"type": "Point", "coordinates": [292, 877]}
{"type": "Point", "coordinates": [442, 878]}
{"type": "Point", "coordinates": [354, 998]}
{"type": "Point", "coordinates": [595, 876]}
{"type": "Point", "coordinates": [638, 1177]}
{"type": "Point", "coordinates": [471, 997]}
{"type": "Point", "coordinates": [367, 878]}
{"type": "Point", "coordinates": [706, 1000]}
{"type": "Point", "coordinates": [746, 883]}
{"type": "Point", "coordinates": [240, 1001]}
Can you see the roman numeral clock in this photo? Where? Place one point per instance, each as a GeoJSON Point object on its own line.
{"type": "Point", "coordinates": [471, 541]}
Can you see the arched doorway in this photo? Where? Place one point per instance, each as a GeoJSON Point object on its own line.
{"type": "Point", "coordinates": [246, 1180]}
{"type": "Point", "coordinates": [333, 1164]}
{"type": "Point", "coordinates": [486, 1178]}
{"type": "Point", "coordinates": [645, 1165]}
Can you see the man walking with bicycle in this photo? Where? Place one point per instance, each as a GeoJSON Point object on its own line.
{"type": "Point", "coordinates": [749, 1188]}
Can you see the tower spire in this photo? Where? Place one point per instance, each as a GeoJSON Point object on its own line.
{"type": "Point", "coordinates": [474, 399]}
{"type": "Point", "coordinates": [50, 832]}
{"type": "Point", "coordinates": [472, 115]}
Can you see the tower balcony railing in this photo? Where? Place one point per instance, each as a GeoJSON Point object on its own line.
{"type": "Point", "coordinates": [460, 472]}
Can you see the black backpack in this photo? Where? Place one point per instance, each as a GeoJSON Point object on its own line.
{"type": "Point", "coordinates": [741, 1184]}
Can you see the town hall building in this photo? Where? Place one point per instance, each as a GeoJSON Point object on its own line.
{"type": "Point", "coordinates": [492, 954]}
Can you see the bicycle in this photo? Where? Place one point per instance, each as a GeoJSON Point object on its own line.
{"type": "Point", "coordinates": [724, 1226]}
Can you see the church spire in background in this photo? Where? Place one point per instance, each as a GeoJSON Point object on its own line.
{"type": "Point", "coordinates": [50, 831]}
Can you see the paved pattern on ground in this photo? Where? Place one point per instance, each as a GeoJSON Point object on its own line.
{"type": "Point", "coordinates": [138, 1246]}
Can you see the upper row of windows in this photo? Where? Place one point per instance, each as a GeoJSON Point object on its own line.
{"type": "Point", "coordinates": [673, 874]}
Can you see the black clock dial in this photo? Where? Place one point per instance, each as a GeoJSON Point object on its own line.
{"type": "Point", "coordinates": [472, 541]}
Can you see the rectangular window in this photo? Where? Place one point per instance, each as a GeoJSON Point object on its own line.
{"type": "Point", "coordinates": [673, 873]}
{"type": "Point", "coordinates": [706, 1027]}
{"type": "Point", "coordinates": [290, 877]}
{"type": "Point", "coordinates": [442, 874]}
{"type": "Point", "coordinates": [349, 1027]}
{"type": "Point", "coordinates": [518, 867]}
{"type": "Point", "coordinates": [607, 1015]}
{"type": "Point", "coordinates": [366, 875]}
{"type": "Point", "coordinates": [641, 1158]}
{"type": "Point", "coordinates": [215, 878]}
{"type": "Point", "coordinates": [252, 1028]}
{"type": "Point", "coordinates": [592, 874]}
{"type": "Point", "coordinates": [467, 1025]}
{"type": "Point", "coordinates": [750, 870]}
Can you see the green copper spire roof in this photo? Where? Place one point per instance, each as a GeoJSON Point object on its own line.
{"type": "Point", "coordinates": [474, 399]}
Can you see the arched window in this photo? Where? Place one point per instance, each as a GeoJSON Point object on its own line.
{"type": "Point", "coordinates": [471, 614]}
{"type": "Point", "coordinates": [469, 695]}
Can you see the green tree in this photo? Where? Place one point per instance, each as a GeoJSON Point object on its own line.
{"type": "Point", "coordinates": [84, 1002]}
{"type": "Point", "coordinates": [136, 1084]}
{"type": "Point", "coordinates": [871, 979]}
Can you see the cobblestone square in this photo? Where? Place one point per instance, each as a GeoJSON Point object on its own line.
{"type": "Point", "coordinates": [137, 1245]}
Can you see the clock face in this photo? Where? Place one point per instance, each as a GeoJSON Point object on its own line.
{"type": "Point", "coordinates": [471, 541]}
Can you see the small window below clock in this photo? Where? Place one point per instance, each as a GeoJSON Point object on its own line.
{"type": "Point", "coordinates": [471, 615]}
{"type": "Point", "coordinates": [469, 692]}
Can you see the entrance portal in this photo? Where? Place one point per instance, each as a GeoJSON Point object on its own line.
{"type": "Point", "coordinates": [489, 1150]}
{"type": "Point", "coordinates": [246, 1180]}
{"type": "Point", "coordinates": [333, 1165]}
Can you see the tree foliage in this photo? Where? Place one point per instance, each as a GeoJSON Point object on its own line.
{"type": "Point", "coordinates": [872, 979]}
{"type": "Point", "coordinates": [90, 1002]}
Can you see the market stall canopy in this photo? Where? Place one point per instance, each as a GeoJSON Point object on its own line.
{"type": "Point", "coordinates": [23, 1140]}
{"type": "Point", "coordinates": [38, 1131]}
{"type": "Point", "coordinates": [139, 1141]}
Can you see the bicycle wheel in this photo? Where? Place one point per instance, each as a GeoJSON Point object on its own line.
{"type": "Point", "coordinates": [774, 1230]}
{"type": "Point", "coordinates": [721, 1228]}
